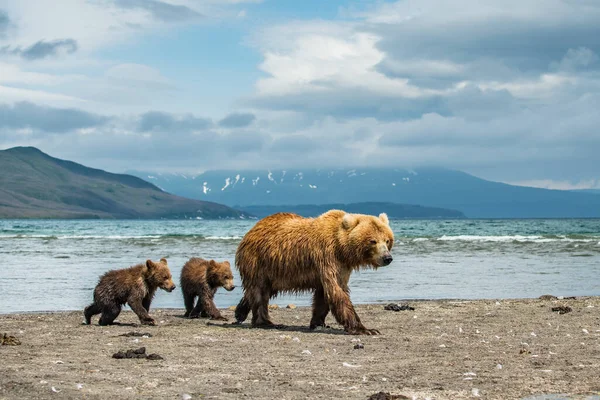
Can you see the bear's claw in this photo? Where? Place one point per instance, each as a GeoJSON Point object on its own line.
{"type": "Point", "coordinates": [364, 331]}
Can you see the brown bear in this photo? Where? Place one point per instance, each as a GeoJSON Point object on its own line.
{"type": "Point", "coordinates": [135, 286]}
{"type": "Point", "coordinates": [288, 253]}
{"type": "Point", "coordinates": [201, 278]}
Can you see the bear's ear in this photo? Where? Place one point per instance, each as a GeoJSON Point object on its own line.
{"type": "Point", "coordinates": [349, 221]}
{"type": "Point", "coordinates": [384, 218]}
{"type": "Point", "coordinates": [227, 262]}
{"type": "Point", "coordinates": [163, 260]}
{"type": "Point", "coordinates": [149, 264]}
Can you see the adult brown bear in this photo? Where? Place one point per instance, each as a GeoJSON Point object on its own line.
{"type": "Point", "coordinates": [288, 253]}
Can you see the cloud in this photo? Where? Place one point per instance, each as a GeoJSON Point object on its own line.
{"type": "Point", "coordinates": [402, 53]}
{"type": "Point", "coordinates": [11, 95]}
{"type": "Point", "coordinates": [559, 185]}
{"type": "Point", "coordinates": [164, 122]}
{"type": "Point", "coordinates": [508, 92]}
{"type": "Point", "coordinates": [237, 120]}
{"type": "Point", "coordinates": [577, 59]}
{"type": "Point", "coordinates": [25, 115]}
{"type": "Point", "coordinates": [12, 74]}
{"type": "Point", "coordinates": [161, 10]}
{"type": "Point", "coordinates": [43, 49]}
{"type": "Point", "coordinates": [105, 23]}
{"type": "Point", "coordinates": [239, 142]}
{"type": "Point", "coordinates": [297, 144]}
{"type": "Point", "coordinates": [4, 23]}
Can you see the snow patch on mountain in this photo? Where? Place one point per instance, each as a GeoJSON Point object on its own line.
{"type": "Point", "coordinates": [227, 182]}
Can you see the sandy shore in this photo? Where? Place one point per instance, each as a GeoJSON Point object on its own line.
{"type": "Point", "coordinates": [506, 349]}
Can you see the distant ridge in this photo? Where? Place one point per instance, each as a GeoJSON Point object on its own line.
{"type": "Point", "coordinates": [36, 185]}
{"type": "Point", "coordinates": [394, 211]}
{"type": "Point", "coordinates": [591, 191]}
{"type": "Point", "coordinates": [428, 187]}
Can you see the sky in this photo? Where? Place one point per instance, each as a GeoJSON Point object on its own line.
{"type": "Point", "coordinates": [505, 90]}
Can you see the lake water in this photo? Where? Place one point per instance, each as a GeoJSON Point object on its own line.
{"type": "Point", "coordinates": [54, 265]}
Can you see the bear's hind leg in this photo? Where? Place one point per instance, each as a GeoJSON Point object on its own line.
{"type": "Point", "coordinates": [188, 300]}
{"type": "Point", "coordinates": [109, 314]}
{"type": "Point", "coordinates": [320, 309]}
{"type": "Point", "coordinates": [198, 310]}
{"type": "Point", "coordinates": [242, 310]}
{"type": "Point", "coordinates": [260, 309]}
{"type": "Point", "coordinates": [90, 311]}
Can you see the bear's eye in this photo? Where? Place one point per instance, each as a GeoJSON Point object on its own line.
{"type": "Point", "coordinates": [373, 241]}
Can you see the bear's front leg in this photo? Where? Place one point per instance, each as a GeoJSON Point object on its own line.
{"type": "Point", "coordinates": [343, 310]}
{"type": "Point", "coordinates": [211, 309]}
{"type": "Point", "coordinates": [138, 308]}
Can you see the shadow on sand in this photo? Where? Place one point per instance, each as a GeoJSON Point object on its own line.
{"type": "Point", "coordinates": [282, 328]}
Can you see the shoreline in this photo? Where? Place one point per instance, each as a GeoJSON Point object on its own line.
{"type": "Point", "coordinates": [372, 303]}
{"type": "Point", "coordinates": [444, 349]}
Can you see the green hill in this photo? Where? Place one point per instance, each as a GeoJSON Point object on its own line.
{"type": "Point", "coordinates": [36, 185]}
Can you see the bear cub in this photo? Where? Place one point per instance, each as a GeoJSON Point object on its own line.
{"type": "Point", "coordinates": [201, 278]}
{"type": "Point", "coordinates": [135, 286]}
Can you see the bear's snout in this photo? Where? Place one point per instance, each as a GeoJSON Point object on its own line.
{"type": "Point", "coordinates": [229, 288]}
{"type": "Point", "coordinates": [170, 289]}
{"type": "Point", "coordinates": [387, 259]}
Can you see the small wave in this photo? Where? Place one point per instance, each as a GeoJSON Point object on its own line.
{"type": "Point", "coordinates": [25, 236]}
{"type": "Point", "coordinates": [121, 237]}
{"type": "Point", "coordinates": [517, 238]}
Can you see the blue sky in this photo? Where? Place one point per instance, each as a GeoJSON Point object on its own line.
{"type": "Point", "coordinates": [507, 91]}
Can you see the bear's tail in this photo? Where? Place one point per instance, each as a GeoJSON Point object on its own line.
{"type": "Point", "coordinates": [242, 310]}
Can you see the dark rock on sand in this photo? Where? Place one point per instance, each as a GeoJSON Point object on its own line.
{"type": "Point", "coordinates": [136, 334]}
{"type": "Point", "coordinates": [386, 396]}
{"type": "Point", "coordinates": [398, 307]}
{"type": "Point", "coordinates": [562, 309]}
{"type": "Point", "coordinates": [137, 353]}
{"type": "Point", "coordinates": [7, 340]}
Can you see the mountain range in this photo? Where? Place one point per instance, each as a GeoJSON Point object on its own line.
{"type": "Point", "coordinates": [36, 185]}
{"type": "Point", "coordinates": [428, 187]}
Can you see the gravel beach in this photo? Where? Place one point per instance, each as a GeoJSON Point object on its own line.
{"type": "Point", "coordinates": [449, 349]}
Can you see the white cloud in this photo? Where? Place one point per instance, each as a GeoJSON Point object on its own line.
{"type": "Point", "coordinates": [508, 88]}
{"type": "Point", "coordinates": [11, 95]}
{"type": "Point", "coordinates": [127, 73]}
{"type": "Point", "coordinates": [95, 24]}
{"type": "Point", "coordinates": [12, 74]}
{"type": "Point", "coordinates": [559, 185]}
